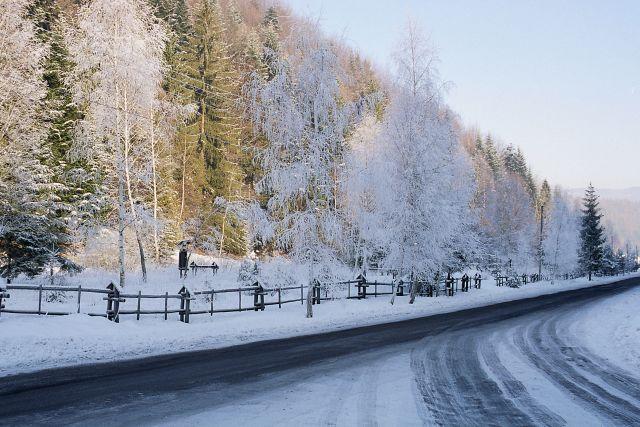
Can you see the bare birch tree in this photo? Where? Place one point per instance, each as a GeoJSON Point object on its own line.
{"type": "Point", "coordinates": [118, 49]}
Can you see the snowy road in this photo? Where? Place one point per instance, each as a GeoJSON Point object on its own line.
{"type": "Point", "coordinates": [517, 363]}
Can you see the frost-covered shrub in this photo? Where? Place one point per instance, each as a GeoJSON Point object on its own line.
{"type": "Point", "coordinates": [248, 272]}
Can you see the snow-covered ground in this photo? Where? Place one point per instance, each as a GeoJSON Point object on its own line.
{"type": "Point", "coordinates": [30, 342]}
{"type": "Point", "coordinates": [529, 369]}
{"type": "Point", "coordinates": [611, 329]}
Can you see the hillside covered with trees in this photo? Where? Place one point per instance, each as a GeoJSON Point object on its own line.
{"type": "Point", "coordinates": [129, 126]}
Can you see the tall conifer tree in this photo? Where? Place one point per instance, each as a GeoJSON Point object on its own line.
{"type": "Point", "coordinates": [591, 234]}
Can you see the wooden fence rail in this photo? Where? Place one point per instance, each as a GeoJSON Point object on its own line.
{"type": "Point", "coordinates": [114, 297]}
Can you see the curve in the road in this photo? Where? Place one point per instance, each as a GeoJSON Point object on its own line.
{"type": "Point", "coordinates": [457, 374]}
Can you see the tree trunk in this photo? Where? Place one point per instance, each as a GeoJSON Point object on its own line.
{"type": "Point", "coordinates": [184, 171]}
{"type": "Point", "coordinates": [121, 227]}
{"type": "Point", "coordinates": [310, 300]}
{"type": "Point", "coordinates": [224, 220]}
{"type": "Point", "coordinates": [393, 292]}
{"type": "Point", "coordinates": [310, 293]}
{"type": "Point", "coordinates": [156, 245]}
{"type": "Point", "coordinates": [122, 224]}
{"type": "Point", "coordinates": [127, 174]}
{"type": "Point", "coordinates": [414, 287]}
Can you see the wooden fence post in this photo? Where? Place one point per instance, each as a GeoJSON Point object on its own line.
{"type": "Point", "coordinates": [113, 303]}
{"type": "Point", "coordinates": [166, 304]}
{"type": "Point", "coordinates": [302, 294]}
{"type": "Point", "coordinates": [40, 300]}
{"type": "Point", "coordinates": [212, 294]}
{"type": "Point", "coordinates": [185, 304]}
{"type": "Point", "coordinates": [316, 292]}
{"type": "Point", "coordinates": [138, 309]}
{"type": "Point", "coordinates": [279, 296]}
{"type": "Point", "coordinates": [187, 308]}
{"type": "Point", "coordinates": [317, 289]}
{"type": "Point", "coordinates": [258, 297]}
{"type": "Point", "coordinates": [3, 296]}
{"type": "Point", "coordinates": [79, 296]}
{"type": "Point", "coordinates": [448, 282]}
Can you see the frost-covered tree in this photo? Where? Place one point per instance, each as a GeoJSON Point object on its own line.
{"type": "Point", "coordinates": [118, 51]}
{"type": "Point", "coordinates": [514, 162]}
{"type": "Point", "coordinates": [561, 237]}
{"type": "Point", "coordinates": [21, 86]}
{"type": "Point", "coordinates": [423, 188]}
{"type": "Point", "coordinates": [21, 176]}
{"type": "Point", "coordinates": [510, 225]}
{"type": "Point", "coordinates": [591, 234]}
{"type": "Point", "coordinates": [32, 233]}
{"type": "Point", "coordinates": [492, 156]}
{"type": "Point", "coordinates": [358, 186]}
{"type": "Point", "coordinates": [299, 113]}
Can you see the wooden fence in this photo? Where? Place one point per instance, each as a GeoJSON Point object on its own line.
{"type": "Point", "coordinates": [517, 281]}
{"type": "Point", "coordinates": [255, 297]}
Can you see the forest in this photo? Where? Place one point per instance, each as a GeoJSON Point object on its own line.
{"type": "Point", "coordinates": [130, 127]}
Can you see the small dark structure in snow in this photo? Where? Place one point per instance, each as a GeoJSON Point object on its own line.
{"type": "Point", "coordinates": [194, 267]}
{"type": "Point", "coordinates": [182, 261]}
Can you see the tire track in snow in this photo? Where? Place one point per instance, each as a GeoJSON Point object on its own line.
{"type": "Point", "coordinates": [337, 402]}
{"type": "Point", "coordinates": [551, 362]}
{"type": "Point", "coordinates": [484, 396]}
{"type": "Point", "coordinates": [593, 364]}
{"type": "Point", "coordinates": [367, 396]}
{"type": "Point", "coordinates": [516, 390]}
{"type": "Point", "coordinates": [431, 396]}
{"type": "Point", "coordinates": [456, 389]}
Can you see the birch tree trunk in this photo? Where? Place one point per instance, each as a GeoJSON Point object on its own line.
{"type": "Point", "coordinates": [122, 213]}
{"type": "Point", "coordinates": [310, 293]}
{"type": "Point", "coordinates": [134, 215]}
{"type": "Point", "coordinates": [393, 292]}
{"type": "Point", "coordinates": [121, 227]}
{"type": "Point", "coordinates": [156, 245]}
{"type": "Point", "coordinates": [414, 289]}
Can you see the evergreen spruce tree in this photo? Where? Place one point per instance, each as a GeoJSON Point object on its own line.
{"type": "Point", "coordinates": [34, 200]}
{"type": "Point", "coordinates": [479, 146]}
{"type": "Point", "coordinates": [176, 143]}
{"type": "Point", "coordinates": [217, 127]}
{"type": "Point", "coordinates": [72, 186]}
{"type": "Point", "coordinates": [591, 234]}
{"type": "Point", "coordinates": [610, 261]}
{"type": "Point", "coordinates": [271, 43]}
{"type": "Point", "coordinates": [544, 198]}
{"type": "Point", "coordinates": [492, 157]}
{"type": "Point", "coordinates": [514, 162]}
{"type": "Point", "coordinates": [175, 14]}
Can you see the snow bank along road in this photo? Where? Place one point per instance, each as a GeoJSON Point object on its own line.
{"type": "Point", "coordinates": [515, 363]}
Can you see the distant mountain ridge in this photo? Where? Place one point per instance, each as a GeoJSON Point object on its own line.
{"type": "Point", "coordinates": [621, 209]}
{"type": "Point", "coordinates": [631, 194]}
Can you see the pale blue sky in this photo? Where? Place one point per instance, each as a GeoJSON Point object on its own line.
{"type": "Point", "coordinates": [561, 79]}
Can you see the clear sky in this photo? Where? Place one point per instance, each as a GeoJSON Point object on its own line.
{"type": "Point", "coordinates": [561, 79]}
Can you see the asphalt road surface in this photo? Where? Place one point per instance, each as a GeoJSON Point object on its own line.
{"type": "Point", "coordinates": [516, 363]}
